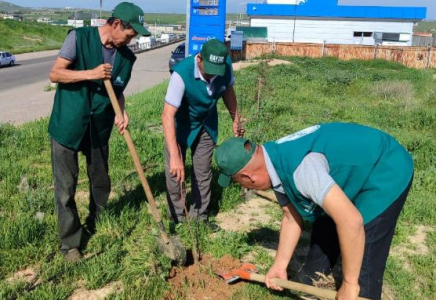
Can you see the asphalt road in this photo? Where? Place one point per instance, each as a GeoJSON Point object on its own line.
{"type": "Point", "coordinates": [22, 96]}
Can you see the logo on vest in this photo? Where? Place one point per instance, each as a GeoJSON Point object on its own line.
{"type": "Point", "coordinates": [119, 81]}
{"type": "Point", "coordinates": [216, 59]}
{"type": "Point", "coordinates": [309, 207]}
{"type": "Point", "coordinates": [298, 134]}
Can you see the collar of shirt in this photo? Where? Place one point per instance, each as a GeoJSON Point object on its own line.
{"type": "Point", "coordinates": [198, 75]}
{"type": "Point", "coordinates": [275, 180]}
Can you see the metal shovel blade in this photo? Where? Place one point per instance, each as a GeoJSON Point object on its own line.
{"type": "Point", "coordinates": [174, 250]}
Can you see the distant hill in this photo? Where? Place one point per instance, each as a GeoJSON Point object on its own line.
{"type": "Point", "coordinates": [426, 26]}
{"type": "Point", "coordinates": [9, 7]}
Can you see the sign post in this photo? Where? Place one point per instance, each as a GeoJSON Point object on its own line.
{"type": "Point", "coordinates": [236, 40]}
{"type": "Point", "coordinates": [206, 20]}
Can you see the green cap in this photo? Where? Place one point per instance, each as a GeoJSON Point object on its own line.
{"type": "Point", "coordinates": [231, 157]}
{"type": "Point", "coordinates": [131, 14]}
{"type": "Point", "coordinates": [214, 54]}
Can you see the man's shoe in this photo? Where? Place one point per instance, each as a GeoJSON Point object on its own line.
{"type": "Point", "coordinates": [90, 225]}
{"type": "Point", "coordinates": [73, 255]}
{"type": "Point", "coordinates": [212, 226]}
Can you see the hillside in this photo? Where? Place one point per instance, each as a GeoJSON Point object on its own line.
{"type": "Point", "coordinates": [21, 37]}
{"type": "Point", "coordinates": [426, 27]}
{"type": "Point", "coordinates": [9, 7]}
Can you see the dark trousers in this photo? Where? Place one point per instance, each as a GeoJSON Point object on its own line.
{"type": "Point", "coordinates": [65, 173]}
{"type": "Point", "coordinates": [324, 249]}
{"type": "Point", "coordinates": [201, 180]}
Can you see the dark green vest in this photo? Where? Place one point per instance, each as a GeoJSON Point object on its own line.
{"type": "Point", "coordinates": [198, 109]}
{"type": "Point", "coordinates": [86, 103]}
{"type": "Point", "coordinates": [370, 166]}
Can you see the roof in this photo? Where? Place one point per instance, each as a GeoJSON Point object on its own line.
{"type": "Point", "coordinates": [331, 9]}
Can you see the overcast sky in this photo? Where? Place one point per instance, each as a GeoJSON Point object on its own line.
{"type": "Point", "coordinates": [179, 6]}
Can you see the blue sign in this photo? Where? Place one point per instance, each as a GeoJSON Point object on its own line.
{"type": "Point", "coordinates": [236, 40]}
{"type": "Point", "coordinates": [206, 20]}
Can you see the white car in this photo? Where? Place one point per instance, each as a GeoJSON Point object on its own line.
{"type": "Point", "coordinates": [6, 59]}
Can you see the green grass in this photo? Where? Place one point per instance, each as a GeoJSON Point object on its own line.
{"type": "Point", "coordinates": [426, 27]}
{"type": "Point", "coordinates": [20, 37]}
{"type": "Point", "coordinates": [381, 94]}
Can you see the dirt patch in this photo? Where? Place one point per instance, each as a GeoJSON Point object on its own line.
{"type": "Point", "coordinates": [84, 294]}
{"type": "Point", "coordinates": [245, 64]}
{"type": "Point", "coordinates": [247, 216]}
{"type": "Point", "coordinates": [417, 243]}
{"type": "Point", "coordinates": [387, 293]}
{"type": "Point", "coordinates": [28, 275]}
{"type": "Point", "coordinates": [83, 196]}
{"type": "Point", "coordinates": [32, 39]}
{"type": "Point", "coordinates": [199, 282]}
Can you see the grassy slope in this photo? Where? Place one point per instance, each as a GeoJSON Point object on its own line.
{"type": "Point", "coordinates": [384, 95]}
{"type": "Point", "coordinates": [20, 37]}
{"type": "Point", "coordinates": [426, 27]}
{"type": "Point", "coordinates": [9, 7]}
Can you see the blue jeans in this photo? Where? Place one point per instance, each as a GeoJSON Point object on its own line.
{"type": "Point", "coordinates": [65, 173]}
{"type": "Point", "coordinates": [324, 249]}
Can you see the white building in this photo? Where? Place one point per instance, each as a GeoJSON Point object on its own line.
{"type": "Point", "coordinates": [98, 22]}
{"type": "Point", "coordinates": [76, 23]}
{"type": "Point", "coordinates": [43, 20]}
{"type": "Point", "coordinates": [12, 17]}
{"type": "Point", "coordinates": [324, 21]}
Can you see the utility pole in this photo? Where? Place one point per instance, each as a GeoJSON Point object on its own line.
{"type": "Point", "coordinates": [101, 3]}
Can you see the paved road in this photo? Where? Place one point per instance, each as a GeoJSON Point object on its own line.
{"type": "Point", "coordinates": [22, 96]}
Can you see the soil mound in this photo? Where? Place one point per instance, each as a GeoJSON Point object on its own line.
{"type": "Point", "coordinates": [200, 282]}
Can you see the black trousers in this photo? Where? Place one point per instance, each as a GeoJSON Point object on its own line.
{"type": "Point", "coordinates": [324, 249]}
{"type": "Point", "coordinates": [65, 173]}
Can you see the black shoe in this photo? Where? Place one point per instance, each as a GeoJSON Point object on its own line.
{"type": "Point", "coordinates": [211, 226]}
{"type": "Point", "coordinates": [89, 225]}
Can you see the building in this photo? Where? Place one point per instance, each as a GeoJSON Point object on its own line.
{"type": "Point", "coordinates": [12, 17]}
{"type": "Point", "coordinates": [76, 23]}
{"type": "Point", "coordinates": [325, 21]}
{"type": "Point", "coordinates": [43, 20]}
{"type": "Point", "coordinates": [98, 22]}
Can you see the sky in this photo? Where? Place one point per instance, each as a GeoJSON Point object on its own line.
{"type": "Point", "coordinates": [179, 6]}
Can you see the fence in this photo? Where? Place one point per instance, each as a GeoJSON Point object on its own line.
{"type": "Point", "coordinates": [424, 41]}
{"type": "Point", "coordinates": [414, 57]}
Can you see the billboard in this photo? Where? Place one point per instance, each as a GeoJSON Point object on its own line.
{"type": "Point", "coordinates": [206, 20]}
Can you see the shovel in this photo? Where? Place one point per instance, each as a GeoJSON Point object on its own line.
{"type": "Point", "coordinates": [248, 272]}
{"type": "Point", "coordinates": [172, 246]}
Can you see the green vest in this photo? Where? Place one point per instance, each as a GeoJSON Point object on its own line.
{"type": "Point", "coordinates": [198, 109]}
{"type": "Point", "coordinates": [370, 166]}
{"type": "Point", "coordinates": [86, 103]}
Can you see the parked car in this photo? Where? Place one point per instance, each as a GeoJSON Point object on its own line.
{"type": "Point", "coordinates": [177, 55]}
{"type": "Point", "coordinates": [6, 59]}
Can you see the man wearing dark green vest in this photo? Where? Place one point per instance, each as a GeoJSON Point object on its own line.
{"type": "Point", "coordinates": [350, 180]}
{"type": "Point", "coordinates": [83, 117]}
{"type": "Point", "coordinates": [190, 119]}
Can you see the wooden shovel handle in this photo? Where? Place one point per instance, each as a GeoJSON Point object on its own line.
{"type": "Point", "coordinates": [299, 287]}
{"type": "Point", "coordinates": [135, 157]}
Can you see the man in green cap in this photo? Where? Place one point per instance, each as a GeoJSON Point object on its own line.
{"type": "Point", "coordinates": [190, 119]}
{"type": "Point", "coordinates": [350, 180]}
{"type": "Point", "coordinates": [82, 116]}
